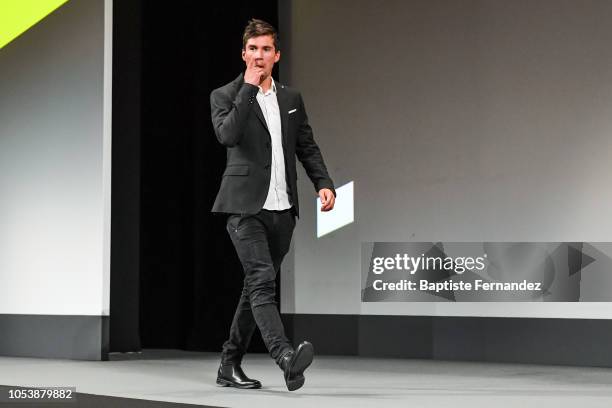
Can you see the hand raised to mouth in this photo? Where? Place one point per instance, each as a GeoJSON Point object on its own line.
{"type": "Point", "coordinates": [254, 74]}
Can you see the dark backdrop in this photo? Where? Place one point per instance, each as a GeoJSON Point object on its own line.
{"type": "Point", "coordinates": [175, 278]}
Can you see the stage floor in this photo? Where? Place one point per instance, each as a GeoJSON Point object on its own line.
{"type": "Point", "coordinates": [189, 377]}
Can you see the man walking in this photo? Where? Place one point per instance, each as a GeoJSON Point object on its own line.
{"type": "Point", "coordinates": [264, 126]}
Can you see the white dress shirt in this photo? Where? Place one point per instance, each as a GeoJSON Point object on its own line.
{"type": "Point", "coordinates": [277, 198]}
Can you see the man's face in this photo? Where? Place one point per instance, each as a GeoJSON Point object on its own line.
{"type": "Point", "coordinates": [262, 52]}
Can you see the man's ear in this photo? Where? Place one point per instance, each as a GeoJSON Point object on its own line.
{"type": "Point", "coordinates": [243, 55]}
{"type": "Point", "coordinates": [277, 56]}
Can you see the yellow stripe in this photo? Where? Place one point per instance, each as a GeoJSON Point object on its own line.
{"type": "Point", "coordinates": [17, 16]}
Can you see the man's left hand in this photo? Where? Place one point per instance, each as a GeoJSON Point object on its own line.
{"type": "Point", "coordinates": [327, 199]}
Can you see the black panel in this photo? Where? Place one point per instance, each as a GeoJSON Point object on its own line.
{"type": "Point", "coordinates": [175, 278]}
{"type": "Point", "coordinates": [125, 197]}
{"type": "Point", "coordinates": [190, 276]}
{"type": "Point", "coordinates": [579, 342]}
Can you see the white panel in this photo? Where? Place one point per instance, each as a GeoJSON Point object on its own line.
{"type": "Point", "coordinates": [55, 165]}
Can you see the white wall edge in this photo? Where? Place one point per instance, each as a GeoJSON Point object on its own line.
{"type": "Point", "coordinates": [107, 152]}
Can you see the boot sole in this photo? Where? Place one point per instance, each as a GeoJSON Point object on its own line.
{"type": "Point", "coordinates": [225, 383]}
{"type": "Point", "coordinates": [303, 359]}
{"type": "Point", "coordinates": [296, 384]}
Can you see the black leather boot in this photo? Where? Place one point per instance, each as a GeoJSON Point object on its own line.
{"type": "Point", "coordinates": [231, 375]}
{"type": "Point", "coordinates": [294, 363]}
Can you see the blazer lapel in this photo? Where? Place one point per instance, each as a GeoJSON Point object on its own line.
{"type": "Point", "coordinates": [260, 115]}
{"type": "Point", "coordinates": [283, 104]}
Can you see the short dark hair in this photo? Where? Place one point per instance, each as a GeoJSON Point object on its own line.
{"type": "Point", "coordinates": [256, 28]}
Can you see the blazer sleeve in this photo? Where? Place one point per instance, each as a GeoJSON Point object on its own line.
{"type": "Point", "coordinates": [230, 113]}
{"type": "Point", "coordinates": [309, 154]}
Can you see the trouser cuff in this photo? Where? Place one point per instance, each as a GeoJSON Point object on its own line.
{"type": "Point", "coordinates": [229, 360]}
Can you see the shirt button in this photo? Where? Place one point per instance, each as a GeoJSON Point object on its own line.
{"type": "Point", "coordinates": [267, 166]}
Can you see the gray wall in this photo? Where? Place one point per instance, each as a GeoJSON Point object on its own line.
{"type": "Point", "coordinates": [55, 165]}
{"type": "Point", "coordinates": [481, 120]}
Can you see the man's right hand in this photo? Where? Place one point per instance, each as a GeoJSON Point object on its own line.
{"type": "Point", "coordinates": [254, 75]}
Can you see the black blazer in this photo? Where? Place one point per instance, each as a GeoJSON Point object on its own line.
{"type": "Point", "coordinates": [240, 126]}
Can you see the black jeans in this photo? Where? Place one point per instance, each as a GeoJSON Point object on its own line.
{"type": "Point", "coordinates": [261, 242]}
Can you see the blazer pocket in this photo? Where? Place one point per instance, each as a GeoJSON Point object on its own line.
{"type": "Point", "coordinates": [236, 170]}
